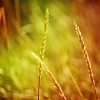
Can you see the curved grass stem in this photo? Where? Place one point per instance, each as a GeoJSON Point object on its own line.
{"type": "Point", "coordinates": [45, 68]}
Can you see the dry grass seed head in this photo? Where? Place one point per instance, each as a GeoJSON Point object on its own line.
{"type": "Point", "coordinates": [86, 58]}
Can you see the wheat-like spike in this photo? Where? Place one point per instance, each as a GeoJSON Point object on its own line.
{"type": "Point", "coordinates": [45, 68]}
{"type": "Point", "coordinates": [86, 57]}
{"type": "Point", "coordinates": [43, 44]}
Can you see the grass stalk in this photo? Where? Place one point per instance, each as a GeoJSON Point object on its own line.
{"type": "Point", "coordinates": [42, 50]}
{"type": "Point", "coordinates": [45, 68]}
{"type": "Point", "coordinates": [86, 57]}
{"type": "Point", "coordinates": [78, 89]}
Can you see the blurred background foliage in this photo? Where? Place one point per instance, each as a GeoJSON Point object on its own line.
{"type": "Point", "coordinates": [21, 34]}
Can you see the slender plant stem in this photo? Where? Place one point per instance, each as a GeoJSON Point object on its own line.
{"type": "Point", "coordinates": [42, 50]}
{"type": "Point", "coordinates": [78, 89]}
{"type": "Point", "coordinates": [45, 68]}
{"type": "Point", "coordinates": [86, 57]}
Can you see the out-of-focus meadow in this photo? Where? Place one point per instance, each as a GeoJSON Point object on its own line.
{"type": "Point", "coordinates": [21, 29]}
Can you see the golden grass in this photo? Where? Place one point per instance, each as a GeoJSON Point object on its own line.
{"type": "Point", "coordinates": [86, 58]}
{"type": "Point", "coordinates": [43, 44]}
{"type": "Point", "coordinates": [45, 68]}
